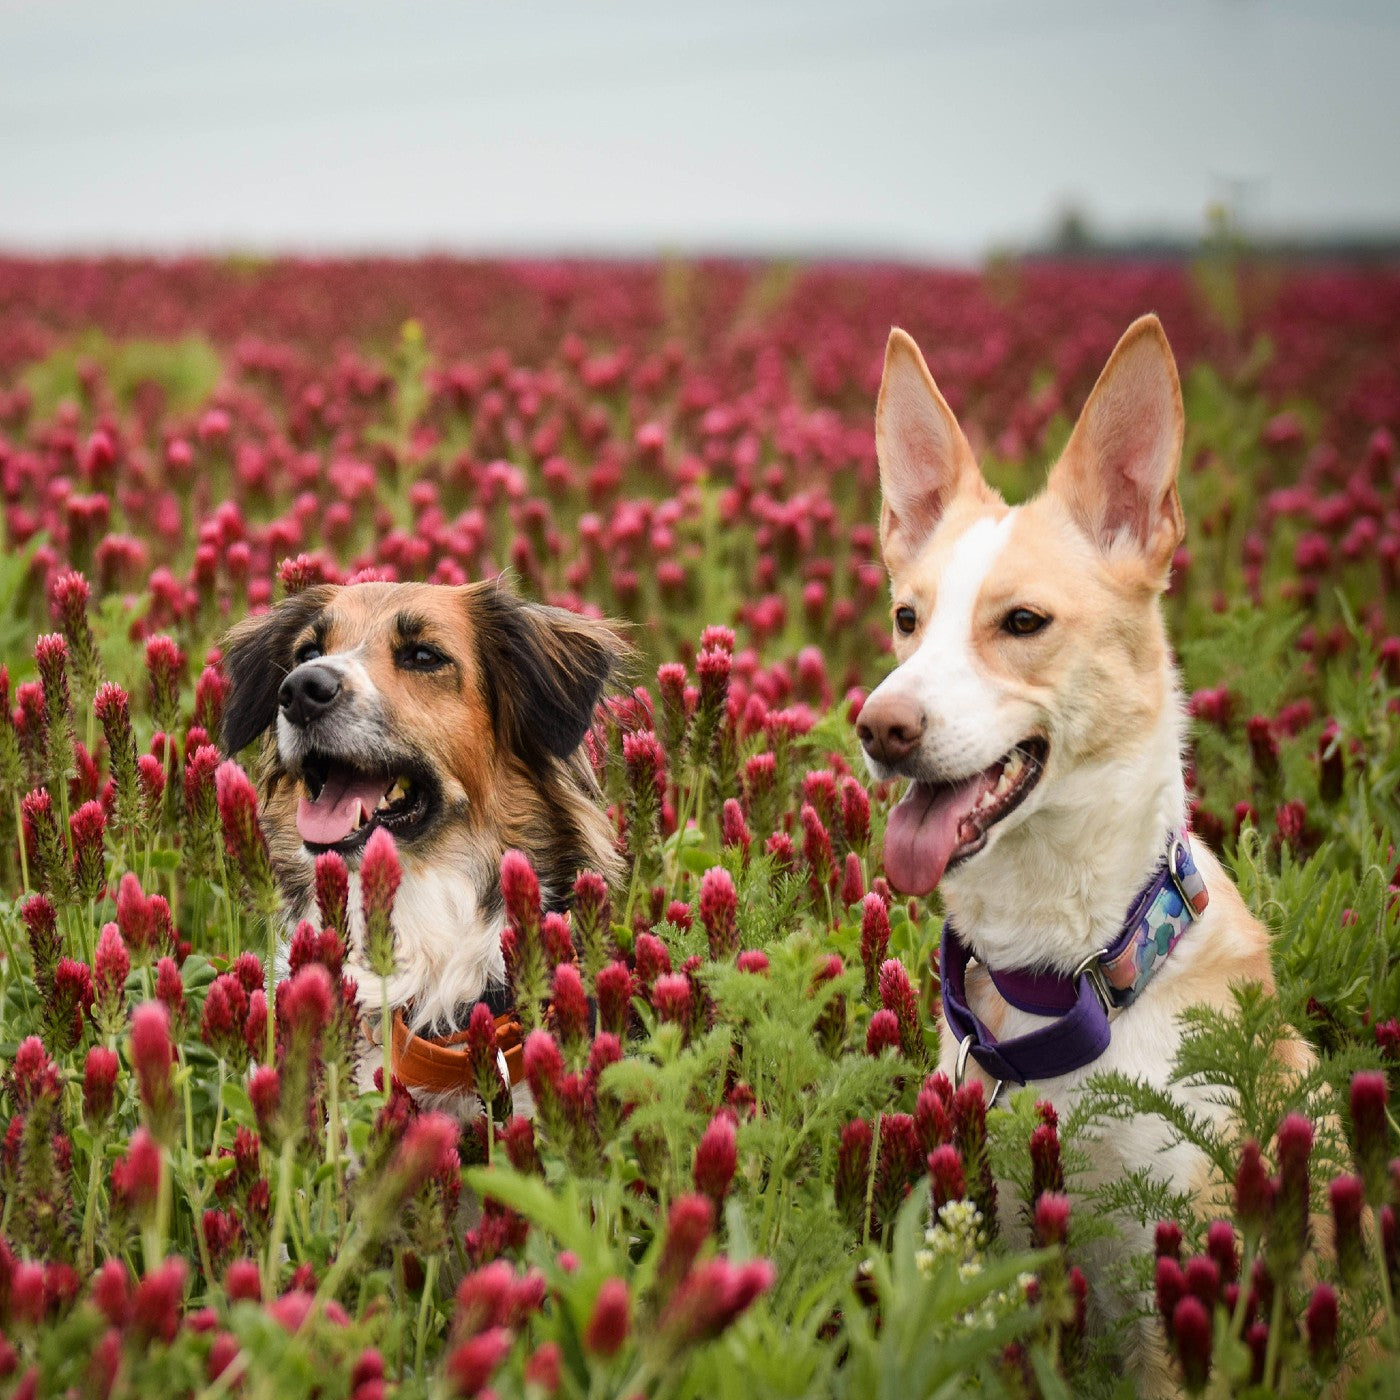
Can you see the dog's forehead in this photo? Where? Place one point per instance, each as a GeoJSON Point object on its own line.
{"type": "Point", "coordinates": [966, 539]}
{"type": "Point", "coordinates": [365, 612]}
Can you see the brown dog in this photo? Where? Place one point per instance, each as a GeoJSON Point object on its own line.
{"type": "Point", "coordinates": [451, 717]}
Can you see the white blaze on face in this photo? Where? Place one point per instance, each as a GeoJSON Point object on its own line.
{"type": "Point", "coordinates": [964, 732]}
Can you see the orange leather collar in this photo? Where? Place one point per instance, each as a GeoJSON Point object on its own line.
{"type": "Point", "coordinates": [444, 1066]}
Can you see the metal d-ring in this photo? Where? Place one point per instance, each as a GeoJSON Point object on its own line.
{"type": "Point", "coordinates": [960, 1072]}
{"type": "Point", "coordinates": [1174, 872]}
{"type": "Point", "coordinates": [1092, 969]}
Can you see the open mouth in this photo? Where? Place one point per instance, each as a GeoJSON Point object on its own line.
{"type": "Point", "coordinates": [936, 826]}
{"type": "Point", "coordinates": [341, 803]}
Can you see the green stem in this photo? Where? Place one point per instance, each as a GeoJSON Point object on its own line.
{"type": "Point", "coordinates": [218, 1112]}
{"type": "Point", "coordinates": [272, 1266]}
{"type": "Point", "coordinates": [271, 1044]}
{"type": "Point", "coordinates": [333, 1141]}
{"type": "Point", "coordinates": [153, 1236]}
{"type": "Point", "coordinates": [1382, 1271]}
{"type": "Point", "coordinates": [386, 1035]}
{"type": "Point", "coordinates": [1275, 1332]}
{"type": "Point", "coordinates": [421, 1339]}
{"type": "Point", "coordinates": [23, 854]}
{"type": "Point", "coordinates": [90, 1204]}
{"type": "Point", "coordinates": [870, 1179]}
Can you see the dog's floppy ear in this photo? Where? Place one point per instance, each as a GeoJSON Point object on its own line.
{"type": "Point", "coordinates": [924, 458]}
{"type": "Point", "coordinates": [257, 656]}
{"type": "Point", "coordinates": [543, 670]}
{"type": "Point", "coordinates": [1118, 472]}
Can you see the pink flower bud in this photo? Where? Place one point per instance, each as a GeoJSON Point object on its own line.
{"type": "Point", "coordinates": [1170, 1286]}
{"type": "Point", "coordinates": [170, 990]}
{"type": "Point", "coordinates": [855, 814]}
{"type": "Point", "coordinates": [33, 1075]}
{"type": "Point", "coordinates": [852, 880]}
{"type": "Point", "coordinates": [111, 1292]}
{"type": "Point", "coordinates": [518, 1139]}
{"type": "Point", "coordinates": [99, 1085]}
{"type": "Point", "coordinates": [485, 1298]}
{"type": "Point", "coordinates": [1370, 1131]}
{"type": "Point", "coordinates": [931, 1120]}
{"type": "Point", "coordinates": [1254, 1192]}
{"type": "Point", "coordinates": [716, 1158]}
{"type": "Point", "coordinates": [111, 967]}
{"type": "Point", "coordinates": [734, 829]}
{"type": "Point", "coordinates": [853, 1171]}
{"type": "Point", "coordinates": [608, 1324]}
{"type": "Point", "coordinates": [243, 834]}
{"type": "Point", "coordinates": [1320, 1324]}
{"type": "Point", "coordinates": [558, 947]}
{"type": "Point", "coordinates": [882, 1033]}
{"type": "Point", "coordinates": [688, 1225]}
{"type": "Point", "coordinates": [545, 1368]}
{"type": "Point", "coordinates": [1047, 1171]}
{"type": "Point", "coordinates": [946, 1176]}
{"type": "Point", "coordinates": [87, 825]}
{"type": "Point", "coordinates": [1192, 1334]}
{"type": "Point", "coordinates": [471, 1364]}
{"type": "Point", "coordinates": [136, 1176]}
{"type": "Point", "coordinates": [308, 1001]}
{"type": "Point", "coordinates": [753, 960]}
{"type": "Point", "coordinates": [671, 999]}
{"type": "Point", "coordinates": [1203, 1279]}
{"type": "Point", "coordinates": [428, 1151]}
{"type": "Point", "coordinates": [1347, 1197]}
{"type": "Point", "coordinates": [719, 903]}
{"type": "Point", "coordinates": [243, 1281]}
{"type": "Point", "coordinates": [544, 1065]}
{"type": "Point", "coordinates": [652, 960]}
{"type": "Point", "coordinates": [613, 987]}
{"type": "Point", "coordinates": [153, 1059]}
{"type": "Point", "coordinates": [380, 876]}
{"type": "Point", "coordinates": [265, 1091]}
{"type": "Point", "coordinates": [570, 1004]}
{"type": "Point", "coordinates": [1167, 1240]}
{"type": "Point", "coordinates": [711, 1297]}
{"type": "Point", "coordinates": [155, 1308]}
{"type": "Point", "coordinates": [332, 890]}
{"type": "Point", "coordinates": [520, 888]}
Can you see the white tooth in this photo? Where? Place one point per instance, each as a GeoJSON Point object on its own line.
{"type": "Point", "coordinates": [383, 803]}
{"type": "Point", "coordinates": [1013, 765]}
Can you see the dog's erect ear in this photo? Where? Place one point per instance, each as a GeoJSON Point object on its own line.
{"type": "Point", "coordinates": [1117, 474]}
{"type": "Point", "coordinates": [924, 458]}
{"type": "Point", "coordinates": [543, 670]}
{"type": "Point", "coordinates": [257, 656]}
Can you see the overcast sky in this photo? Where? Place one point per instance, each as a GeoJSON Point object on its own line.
{"type": "Point", "coordinates": [932, 129]}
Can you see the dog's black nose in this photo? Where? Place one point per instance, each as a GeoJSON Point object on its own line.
{"type": "Point", "coordinates": [308, 692]}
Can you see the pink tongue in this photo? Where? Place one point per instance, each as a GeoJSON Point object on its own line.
{"type": "Point", "coordinates": [922, 833]}
{"type": "Point", "coordinates": [331, 817]}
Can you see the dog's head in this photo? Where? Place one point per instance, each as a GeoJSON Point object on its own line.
{"type": "Point", "coordinates": [419, 708]}
{"type": "Point", "coordinates": [1030, 642]}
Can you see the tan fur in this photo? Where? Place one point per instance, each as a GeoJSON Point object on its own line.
{"type": "Point", "coordinates": [1051, 885]}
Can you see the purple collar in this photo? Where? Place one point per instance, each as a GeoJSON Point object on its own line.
{"type": "Point", "coordinates": [1107, 981]}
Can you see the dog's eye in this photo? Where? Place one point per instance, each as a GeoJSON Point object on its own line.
{"type": "Point", "coordinates": [905, 619]}
{"type": "Point", "coordinates": [308, 651]}
{"type": "Point", "coordinates": [418, 657]}
{"type": "Point", "coordinates": [1023, 622]}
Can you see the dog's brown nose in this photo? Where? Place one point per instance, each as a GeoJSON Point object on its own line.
{"type": "Point", "coordinates": [890, 727]}
{"type": "Point", "coordinates": [308, 692]}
